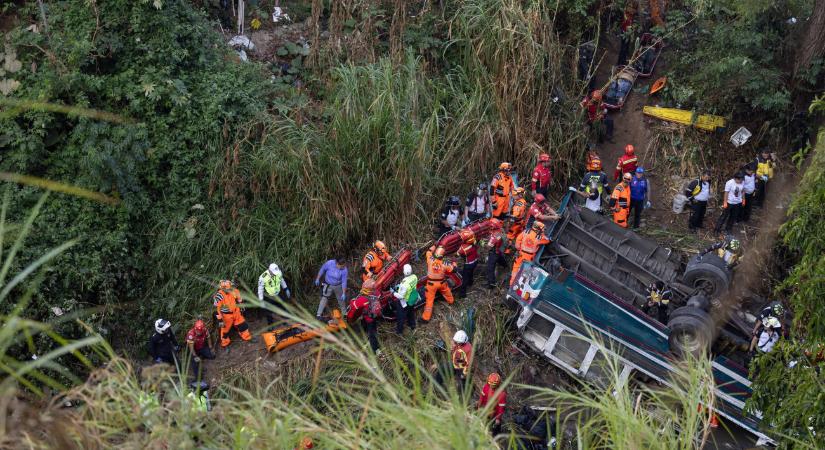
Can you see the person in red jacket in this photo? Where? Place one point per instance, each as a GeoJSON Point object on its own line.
{"type": "Point", "coordinates": [364, 307]}
{"type": "Point", "coordinates": [541, 211]}
{"type": "Point", "coordinates": [627, 162]}
{"type": "Point", "coordinates": [498, 398]}
{"type": "Point", "coordinates": [541, 176]}
{"type": "Point", "coordinates": [469, 250]}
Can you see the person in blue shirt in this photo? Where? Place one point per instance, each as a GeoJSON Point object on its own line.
{"type": "Point", "coordinates": [332, 277]}
{"type": "Point", "coordinates": [639, 195]}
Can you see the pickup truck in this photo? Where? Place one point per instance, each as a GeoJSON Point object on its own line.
{"type": "Point", "coordinates": [584, 286]}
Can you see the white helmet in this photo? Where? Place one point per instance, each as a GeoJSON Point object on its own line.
{"type": "Point", "coordinates": [274, 270]}
{"type": "Point", "coordinates": [407, 270]}
{"type": "Point", "coordinates": [460, 337]}
{"type": "Point", "coordinates": [162, 326]}
{"type": "Point", "coordinates": [772, 322]}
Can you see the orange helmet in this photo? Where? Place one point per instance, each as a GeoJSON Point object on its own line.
{"type": "Point", "coordinates": [544, 157]}
{"type": "Point", "coordinates": [539, 198]}
{"type": "Point", "coordinates": [380, 247]}
{"type": "Point", "coordinates": [629, 150]}
{"type": "Point", "coordinates": [538, 225]}
{"type": "Point", "coordinates": [494, 379]}
{"type": "Point", "coordinates": [496, 224]}
{"type": "Point", "coordinates": [596, 95]}
{"type": "Point", "coordinates": [505, 166]}
{"type": "Point", "coordinates": [518, 191]}
{"type": "Point", "coordinates": [594, 162]}
{"type": "Point", "coordinates": [199, 325]}
{"type": "Point", "coordinates": [306, 443]}
{"type": "Point", "coordinates": [467, 235]}
{"type": "Point", "coordinates": [368, 286]}
{"type": "Point", "coordinates": [225, 285]}
{"type": "Point", "coordinates": [439, 252]}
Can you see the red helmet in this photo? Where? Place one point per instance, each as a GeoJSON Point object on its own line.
{"type": "Point", "coordinates": [199, 325]}
{"type": "Point", "coordinates": [544, 157]}
{"type": "Point", "coordinates": [494, 379]}
{"type": "Point", "coordinates": [629, 150]}
{"type": "Point", "coordinates": [539, 198]}
{"type": "Point", "coordinates": [596, 95]}
{"type": "Point", "coordinates": [306, 443]}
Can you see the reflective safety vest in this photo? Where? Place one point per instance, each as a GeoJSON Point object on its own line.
{"type": "Point", "coordinates": [461, 356]}
{"type": "Point", "coordinates": [594, 180]}
{"type": "Point", "coordinates": [728, 256]}
{"type": "Point", "coordinates": [764, 167]}
{"type": "Point", "coordinates": [272, 283]}
{"type": "Point", "coordinates": [408, 285]}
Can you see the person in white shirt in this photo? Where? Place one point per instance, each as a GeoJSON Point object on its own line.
{"type": "Point", "coordinates": [733, 202]}
{"type": "Point", "coordinates": [750, 187]}
{"type": "Point", "coordinates": [477, 205]}
{"type": "Point", "coordinates": [767, 337]}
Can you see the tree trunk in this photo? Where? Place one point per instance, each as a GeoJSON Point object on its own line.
{"type": "Point", "coordinates": [812, 46]}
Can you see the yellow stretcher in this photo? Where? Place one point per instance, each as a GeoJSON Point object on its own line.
{"type": "Point", "coordinates": [702, 121]}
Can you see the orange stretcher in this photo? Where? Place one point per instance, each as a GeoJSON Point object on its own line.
{"type": "Point", "coordinates": [281, 338]}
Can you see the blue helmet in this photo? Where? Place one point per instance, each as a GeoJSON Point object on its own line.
{"type": "Point", "coordinates": [640, 170]}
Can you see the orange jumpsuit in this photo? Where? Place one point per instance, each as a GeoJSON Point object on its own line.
{"type": "Point", "coordinates": [620, 202]}
{"type": "Point", "coordinates": [527, 243]}
{"type": "Point", "coordinates": [501, 187]}
{"type": "Point", "coordinates": [437, 270]}
{"type": "Point", "coordinates": [373, 263]}
{"type": "Point", "coordinates": [226, 303]}
{"type": "Point", "coordinates": [519, 214]}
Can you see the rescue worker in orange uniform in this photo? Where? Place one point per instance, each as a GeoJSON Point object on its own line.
{"type": "Point", "coordinates": [528, 243]}
{"type": "Point", "coordinates": [626, 163]}
{"type": "Point", "coordinates": [500, 190]}
{"type": "Point", "coordinates": [373, 261]}
{"type": "Point", "coordinates": [437, 270]}
{"type": "Point", "coordinates": [620, 201]}
{"type": "Point", "coordinates": [229, 314]}
{"type": "Point", "coordinates": [490, 395]}
{"type": "Point", "coordinates": [518, 215]}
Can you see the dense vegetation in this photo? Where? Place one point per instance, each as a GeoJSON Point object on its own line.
{"type": "Point", "coordinates": [219, 168]}
{"type": "Point", "coordinates": [789, 383]}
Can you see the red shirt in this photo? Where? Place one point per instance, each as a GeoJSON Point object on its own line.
{"type": "Point", "coordinates": [359, 307]}
{"type": "Point", "coordinates": [501, 401]}
{"type": "Point", "coordinates": [469, 252]}
{"type": "Point", "coordinates": [538, 208]}
{"type": "Point", "coordinates": [625, 164]}
{"type": "Point", "coordinates": [595, 110]}
{"type": "Point", "coordinates": [198, 338]}
{"type": "Point", "coordinates": [541, 177]}
{"type": "Point", "coordinates": [496, 243]}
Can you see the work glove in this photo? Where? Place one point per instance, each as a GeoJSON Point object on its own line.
{"type": "Point", "coordinates": [343, 297]}
{"type": "Point", "coordinates": [158, 361]}
{"type": "Point", "coordinates": [197, 359]}
{"type": "Point", "coordinates": [177, 348]}
{"type": "Point", "coordinates": [220, 325]}
{"type": "Point", "coordinates": [288, 294]}
{"type": "Point", "coordinates": [317, 282]}
{"type": "Point", "coordinates": [648, 205]}
{"type": "Point", "coordinates": [764, 178]}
